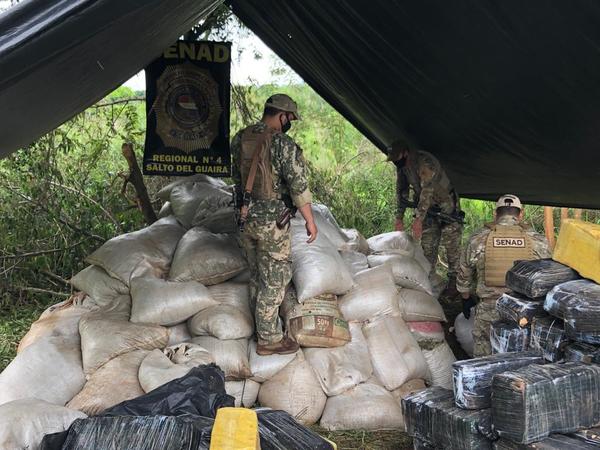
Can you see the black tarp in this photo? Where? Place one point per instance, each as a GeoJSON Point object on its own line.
{"type": "Point", "coordinates": [57, 57]}
{"type": "Point", "coordinates": [505, 93]}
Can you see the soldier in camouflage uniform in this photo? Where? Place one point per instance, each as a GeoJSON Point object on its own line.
{"type": "Point", "coordinates": [489, 254]}
{"type": "Point", "coordinates": [420, 172]}
{"type": "Point", "coordinates": [280, 182]}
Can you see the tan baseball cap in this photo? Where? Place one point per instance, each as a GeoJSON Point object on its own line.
{"type": "Point", "coordinates": [509, 200]}
{"type": "Point", "coordinates": [285, 103]}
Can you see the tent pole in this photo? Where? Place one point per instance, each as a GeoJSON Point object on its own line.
{"type": "Point", "coordinates": [549, 225]}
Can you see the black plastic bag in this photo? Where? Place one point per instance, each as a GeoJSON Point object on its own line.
{"type": "Point", "coordinates": [535, 278]}
{"type": "Point", "coordinates": [554, 442]}
{"type": "Point", "coordinates": [577, 303]}
{"type": "Point", "coordinates": [536, 401]}
{"type": "Point", "coordinates": [520, 309]}
{"type": "Point", "coordinates": [508, 336]}
{"type": "Point", "coordinates": [473, 377]}
{"type": "Point", "coordinates": [582, 352]}
{"type": "Point", "coordinates": [279, 431]}
{"type": "Point", "coordinates": [201, 392]}
{"type": "Point", "coordinates": [548, 336]}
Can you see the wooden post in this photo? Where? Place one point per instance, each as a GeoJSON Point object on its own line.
{"type": "Point", "coordinates": [549, 225]}
{"type": "Point", "coordinates": [564, 214]}
{"type": "Point", "coordinates": [136, 178]}
{"type": "Point", "coordinates": [578, 213]}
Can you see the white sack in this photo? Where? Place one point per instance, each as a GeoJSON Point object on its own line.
{"type": "Point", "coordinates": [245, 392]}
{"type": "Point", "coordinates": [113, 383]}
{"type": "Point", "coordinates": [154, 244]}
{"type": "Point", "coordinates": [232, 293]}
{"type": "Point", "coordinates": [98, 284]}
{"type": "Point", "coordinates": [355, 262]}
{"type": "Point", "coordinates": [364, 407]}
{"type": "Point", "coordinates": [356, 242]}
{"type": "Point", "coordinates": [418, 306]}
{"type": "Point", "coordinates": [161, 366]}
{"type": "Point", "coordinates": [207, 258]}
{"type": "Point", "coordinates": [407, 272]}
{"type": "Point", "coordinates": [23, 423]}
{"type": "Point", "coordinates": [341, 368]}
{"type": "Point", "coordinates": [105, 339]}
{"type": "Point", "coordinates": [220, 221]}
{"type": "Point", "coordinates": [317, 267]}
{"type": "Point", "coordinates": [438, 284]}
{"type": "Point", "coordinates": [165, 210]}
{"type": "Point", "coordinates": [374, 294]}
{"type": "Point", "coordinates": [49, 370]}
{"type": "Point", "coordinates": [295, 390]}
{"type": "Point", "coordinates": [395, 354]}
{"type": "Point", "coordinates": [222, 322]}
{"type": "Point", "coordinates": [167, 302]}
{"type": "Point", "coordinates": [463, 328]}
{"type": "Point", "coordinates": [178, 334]}
{"type": "Point", "coordinates": [427, 331]}
{"type": "Point", "coordinates": [263, 368]}
{"type": "Point", "coordinates": [439, 361]}
{"type": "Point", "coordinates": [165, 192]}
{"type": "Point", "coordinates": [328, 226]}
{"type": "Point", "coordinates": [398, 242]}
{"type": "Point", "coordinates": [231, 356]}
{"type": "Point", "coordinates": [408, 388]}
{"type": "Point", "coordinates": [188, 199]}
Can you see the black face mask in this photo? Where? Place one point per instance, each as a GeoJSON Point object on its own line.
{"type": "Point", "coordinates": [400, 163]}
{"type": "Point", "coordinates": [285, 127]}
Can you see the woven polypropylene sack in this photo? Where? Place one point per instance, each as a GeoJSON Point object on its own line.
{"type": "Point", "coordinates": [295, 390]}
{"type": "Point", "coordinates": [439, 362]}
{"type": "Point", "coordinates": [364, 407]}
{"type": "Point", "coordinates": [23, 423]}
{"type": "Point", "coordinates": [207, 258]}
{"type": "Point", "coordinates": [223, 322]}
{"type": "Point", "coordinates": [407, 271]}
{"type": "Point", "coordinates": [356, 241]}
{"type": "Point", "coordinates": [113, 383]}
{"type": "Point", "coordinates": [178, 334]}
{"type": "Point", "coordinates": [374, 294]}
{"type": "Point", "coordinates": [188, 198]}
{"type": "Point", "coordinates": [418, 306]}
{"type": "Point", "coordinates": [220, 221]}
{"type": "Point", "coordinates": [398, 242]}
{"type": "Point", "coordinates": [317, 267]}
{"type": "Point", "coordinates": [395, 354]}
{"type": "Point", "coordinates": [328, 226]}
{"type": "Point", "coordinates": [49, 369]}
{"type": "Point", "coordinates": [341, 368]}
{"type": "Point", "coordinates": [263, 368]}
{"type": "Point", "coordinates": [98, 284]}
{"type": "Point", "coordinates": [230, 355]}
{"type": "Point", "coordinates": [165, 192]}
{"type": "Point", "coordinates": [168, 303]}
{"type": "Point", "coordinates": [427, 331]}
{"type": "Point", "coordinates": [355, 262]}
{"type": "Point", "coordinates": [245, 392]}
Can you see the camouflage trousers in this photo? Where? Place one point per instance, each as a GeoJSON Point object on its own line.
{"type": "Point", "coordinates": [485, 314]}
{"type": "Point", "coordinates": [268, 252]}
{"type": "Point", "coordinates": [448, 236]}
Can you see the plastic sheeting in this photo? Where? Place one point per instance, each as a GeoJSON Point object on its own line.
{"type": "Point", "coordinates": [535, 401]}
{"type": "Point", "coordinates": [519, 309]}
{"type": "Point", "coordinates": [473, 377]}
{"type": "Point", "coordinates": [582, 352]}
{"type": "Point", "coordinates": [535, 278]}
{"type": "Point", "coordinates": [554, 442]}
{"type": "Point", "coordinates": [548, 336]}
{"type": "Point", "coordinates": [507, 336]}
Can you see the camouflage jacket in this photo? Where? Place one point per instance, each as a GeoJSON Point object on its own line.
{"type": "Point", "coordinates": [471, 275]}
{"type": "Point", "coordinates": [429, 182]}
{"type": "Point", "coordinates": [289, 174]}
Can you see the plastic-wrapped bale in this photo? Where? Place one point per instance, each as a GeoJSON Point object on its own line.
{"type": "Point", "coordinates": [463, 328]}
{"type": "Point", "coordinates": [317, 267]}
{"type": "Point", "coordinates": [582, 352]}
{"type": "Point", "coordinates": [554, 442]}
{"type": "Point", "coordinates": [439, 358]}
{"type": "Point", "coordinates": [535, 278]}
{"type": "Point", "coordinates": [507, 336]}
{"type": "Point", "coordinates": [341, 368]}
{"type": "Point", "coordinates": [231, 355]}
{"type": "Point", "coordinates": [548, 336]}
{"type": "Point", "coordinates": [367, 406]}
{"type": "Point", "coordinates": [245, 392]}
{"type": "Point", "coordinates": [395, 354]}
{"type": "Point", "coordinates": [113, 383]}
{"type": "Point", "coordinates": [49, 369]}
{"type": "Point", "coordinates": [578, 246]}
{"type": "Point", "coordinates": [355, 262]}
{"type": "Point", "coordinates": [418, 306]}
{"type": "Point", "coordinates": [356, 241]}
{"type": "Point", "coordinates": [519, 309]}
{"type": "Point", "coordinates": [263, 368]}
{"type": "Point", "coordinates": [577, 303]}
{"type": "Point", "coordinates": [317, 322]}
{"type": "Point", "coordinates": [279, 431]}
{"type": "Point", "coordinates": [432, 416]}
{"type": "Point", "coordinates": [535, 401]}
{"type": "Point", "coordinates": [374, 294]}
{"type": "Point", "coordinates": [427, 331]}
{"type": "Point", "coordinates": [154, 244]}
{"type": "Point", "coordinates": [422, 444]}
{"type": "Point", "coordinates": [207, 257]}
{"type": "Point", "coordinates": [407, 271]}
{"type": "Point", "coordinates": [473, 377]}
{"type": "Point", "coordinates": [141, 433]}
{"type": "Point", "coordinates": [23, 423]}
{"type": "Point", "coordinates": [296, 390]}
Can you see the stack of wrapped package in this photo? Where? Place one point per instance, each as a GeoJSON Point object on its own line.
{"type": "Point", "coordinates": [156, 303]}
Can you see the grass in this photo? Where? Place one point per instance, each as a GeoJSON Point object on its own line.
{"type": "Point", "coordinates": [367, 440]}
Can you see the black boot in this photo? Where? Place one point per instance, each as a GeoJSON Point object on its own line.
{"type": "Point", "coordinates": [450, 292]}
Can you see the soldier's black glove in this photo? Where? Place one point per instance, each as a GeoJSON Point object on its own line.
{"type": "Point", "coordinates": [467, 305]}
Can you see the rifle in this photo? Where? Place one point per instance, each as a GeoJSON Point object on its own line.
{"type": "Point", "coordinates": [435, 212]}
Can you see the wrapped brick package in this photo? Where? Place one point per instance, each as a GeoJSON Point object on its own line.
{"type": "Point", "coordinates": [508, 336]}
{"type": "Point", "coordinates": [535, 278]}
{"type": "Point", "coordinates": [548, 336]}
{"type": "Point", "coordinates": [432, 416]}
{"type": "Point", "coordinates": [577, 303]}
{"type": "Point", "coordinates": [582, 352]}
{"type": "Point", "coordinates": [520, 309]}
{"type": "Point", "coordinates": [535, 401]}
{"type": "Point", "coordinates": [473, 377]}
{"type": "Point", "coordinates": [554, 442]}
{"type": "Point", "coordinates": [590, 435]}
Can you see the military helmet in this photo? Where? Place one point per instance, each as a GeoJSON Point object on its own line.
{"type": "Point", "coordinates": [283, 102]}
{"type": "Point", "coordinates": [509, 200]}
